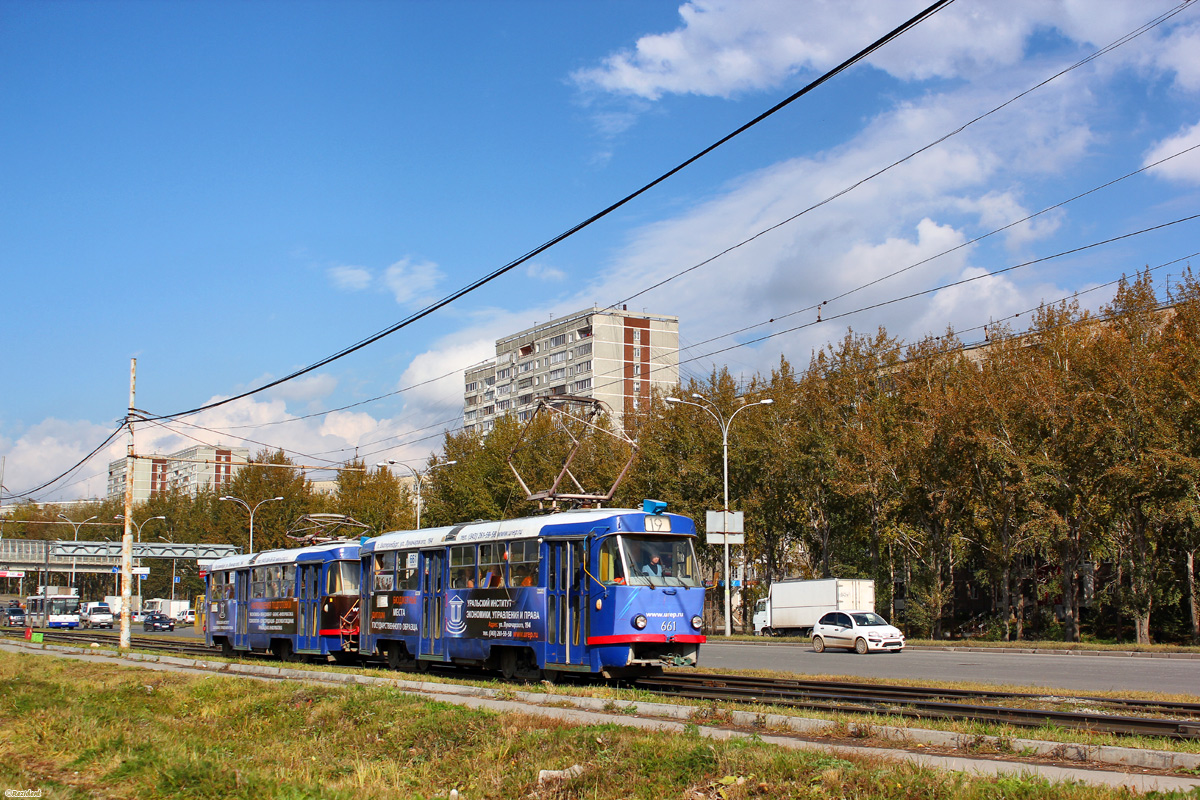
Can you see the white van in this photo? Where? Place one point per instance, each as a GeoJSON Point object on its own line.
{"type": "Point", "coordinates": [187, 617]}
{"type": "Point", "coordinates": [96, 615]}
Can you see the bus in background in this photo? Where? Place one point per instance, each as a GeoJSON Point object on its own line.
{"type": "Point", "coordinates": [52, 611]}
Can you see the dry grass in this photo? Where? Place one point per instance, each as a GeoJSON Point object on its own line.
{"type": "Point", "coordinates": [78, 730]}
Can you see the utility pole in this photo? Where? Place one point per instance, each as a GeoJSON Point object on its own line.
{"type": "Point", "coordinates": [127, 539]}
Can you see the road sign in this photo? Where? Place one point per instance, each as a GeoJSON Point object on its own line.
{"type": "Point", "coordinates": [722, 525]}
{"type": "Point", "coordinates": [142, 571]}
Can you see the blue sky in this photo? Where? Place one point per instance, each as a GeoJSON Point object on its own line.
{"type": "Point", "coordinates": [232, 191]}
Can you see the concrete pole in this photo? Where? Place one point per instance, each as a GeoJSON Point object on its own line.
{"type": "Point", "coordinates": [127, 538]}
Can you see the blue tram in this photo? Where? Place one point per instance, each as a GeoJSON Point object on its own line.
{"type": "Point", "coordinates": [609, 591]}
{"type": "Point", "coordinates": [295, 603]}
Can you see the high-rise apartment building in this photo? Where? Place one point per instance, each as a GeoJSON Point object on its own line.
{"type": "Point", "coordinates": [189, 471]}
{"type": "Point", "coordinates": [607, 355]}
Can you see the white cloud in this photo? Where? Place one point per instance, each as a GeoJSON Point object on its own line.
{"type": "Point", "coordinates": [999, 209]}
{"type": "Point", "coordinates": [411, 281]}
{"type": "Point", "coordinates": [306, 388]}
{"type": "Point", "coordinates": [1185, 168]}
{"type": "Point", "coordinates": [352, 279]}
{"type": "Point", "coordinates": [724, 47]}
{"type": "Point", "coordinates": [43, 451]}
{"type": "Point", "coordinates": [544, 272]}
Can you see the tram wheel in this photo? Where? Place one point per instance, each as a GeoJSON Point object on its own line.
{"type": "Point", "coordinates": [398, 658]}
{"type": "Point", "coordinates": [284, 652]}
{"type": "Point", "coordinates": [551, 675]}
{"type": "Point", "coordinates": [508, 664]}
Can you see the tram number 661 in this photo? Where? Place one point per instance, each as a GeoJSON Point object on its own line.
{"type": "Point", "coordinates": [669, 625]}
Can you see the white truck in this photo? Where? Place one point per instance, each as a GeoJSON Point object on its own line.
{"type": "Point", "coordinates": [114, 605]}
{"type": "Point", "coordinates": [792, 607]}
{"type": "Point", "coordinates": [172, 608]}
{"type": "Point", "coordinates": [96, 615]}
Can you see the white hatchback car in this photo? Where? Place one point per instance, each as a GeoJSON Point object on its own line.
{"type": "Point", "coordinates": [860, 631]}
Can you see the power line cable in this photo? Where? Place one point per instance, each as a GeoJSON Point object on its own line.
{"type": "Point", "coordinates": [878, 43]}
{"type": "Point", "coordinates": [846, 190]}
{"type": "Point", "coordinates": [950, 285]}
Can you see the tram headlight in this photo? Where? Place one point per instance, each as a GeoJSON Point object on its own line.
{"type": "Point", "coordinates": [639, 622]}
{"type": "Point", "coordinates": [697, 622]}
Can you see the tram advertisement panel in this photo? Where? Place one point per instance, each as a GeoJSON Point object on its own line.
{"type": "Point", "coordinates": [273, 616]}
{"type": "Point", "coordinates": [396, 613]}
{"type": "Point", "coordinates": [220, 617]}
{"type": "Point", "coordinates": [496, 614]}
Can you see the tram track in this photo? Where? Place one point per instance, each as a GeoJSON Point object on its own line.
{"type": "Point", "coordinates": [915, 702]}
{"type": "Point", "coordinates": [112, 639]}
{"type": "Point", "coordinates": [1117, 716]}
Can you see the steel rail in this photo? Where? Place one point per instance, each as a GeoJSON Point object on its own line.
{"type": "Point", "coordinates": [887, 691]}
{"type": "Point", "coordinates": [896, 701]}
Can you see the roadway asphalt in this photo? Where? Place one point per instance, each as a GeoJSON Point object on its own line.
{"type": "Point", "coordinates": [1078, 671]}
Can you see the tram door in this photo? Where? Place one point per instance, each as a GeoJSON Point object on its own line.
{"type": "Point", "coordinates": [310, 608]}
{"type": "Point", "coordinates": [564, 590]}
{"type": "Point", "coordinates": [433, 600]}
{"type": "Point", "coordinates": [243, 604]}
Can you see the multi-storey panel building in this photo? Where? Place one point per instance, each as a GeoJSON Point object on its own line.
{"type": "Point", "coordinates": [608, 355]}
{"type": "Point", "coordinates": [189, 471]}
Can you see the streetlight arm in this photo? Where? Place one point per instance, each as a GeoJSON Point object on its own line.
{"type": "Point", "coordinates": [706, 409]}
{"type": "Point", "coordinates": [766, 402]}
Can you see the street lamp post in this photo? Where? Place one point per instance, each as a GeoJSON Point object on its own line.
{"type": "Point", "coordinates": [139, 538]}
{"type": "Point", "coordinates": [724, 424]}
{"type": "Point", "coordinates": [416, 478]}
{"type": "Point", "coordinates": [246, 506]}
{"type": "Point", "coordinates": [76, 526]}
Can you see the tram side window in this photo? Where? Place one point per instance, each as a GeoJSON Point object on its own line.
{"type": "Point", "coordinates": [523, 563]}
{"type": "Point", "coordinates": [462, 567]}
{"type": "Point", "coordinates": [385, 571]}
{"type": "Point", "coordinates": [342, 578]}
{"type": "Point", "coordinates": [287, 581]}
{"type": "Point", "coordinates": [407, 577]}
{"type": "Point", "coordinates": [258, 582]}
{"type": "Point", "coordinates": [611, 569]}
{"type": "Point", "coordinates": [491, 561]}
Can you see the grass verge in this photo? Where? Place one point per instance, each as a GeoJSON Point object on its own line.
{"type": "Point", "coordinates": [78, 730]}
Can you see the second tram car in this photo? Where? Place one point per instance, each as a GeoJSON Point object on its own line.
{"type": "Point", "coordinates": [295, 603]}
{"type": "Point", "coordinates": [609, 591]}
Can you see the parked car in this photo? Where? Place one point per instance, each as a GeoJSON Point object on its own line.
{"type": "Point", "coordinates": [187, 618]}
{"type": "Point", "coordinates": [860, 631]}
{"type": "Point", "coordinates": [13, 617]}
{"type": "Point", "coordinates": [158, 622]}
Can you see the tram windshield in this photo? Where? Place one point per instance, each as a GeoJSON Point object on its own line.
{"type": "Point", "coordinates": [645, 560]}
{"type": "Point", "coordinates": [343, 578]}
